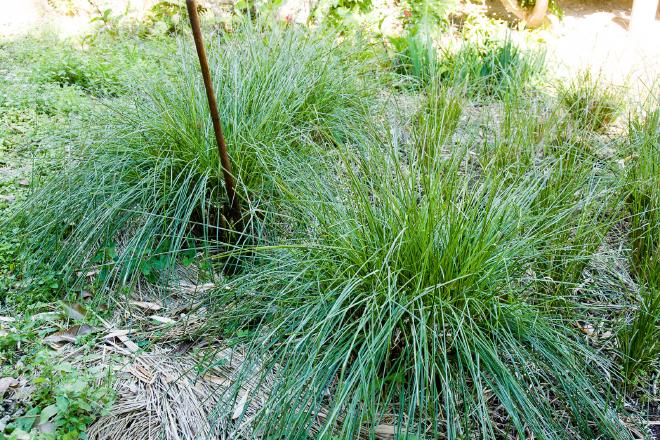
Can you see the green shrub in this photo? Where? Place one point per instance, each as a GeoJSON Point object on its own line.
{"type": "Point", "coordinates": [489, 68]}
{"type": "Point", "coordinates": [167, 17]}
{"type": "Point", "coordinates": [150, 181]}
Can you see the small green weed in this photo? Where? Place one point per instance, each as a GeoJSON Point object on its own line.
{"type": "Point", "coordinates": [64, 401]}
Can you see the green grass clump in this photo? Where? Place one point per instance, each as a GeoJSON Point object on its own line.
{"type": "Point", "coordinates": [579, 232]}
{"type": "Point", "coordinates": [638, 339]}
{"type": "Point", "coordinates": [415, 57]}
{"type": "Point", "coordinates": [150, 183]}
{"type": "Point", "coordinates": [408, 302]}
{"type": "Point", "coordinates": [643, 182]}
{"type": "Point", "coordinates": [437, 120]}
{"type": "Point", "coordinates": [490, 68]}
{"type": "Point", "coordinates": [591, 105]}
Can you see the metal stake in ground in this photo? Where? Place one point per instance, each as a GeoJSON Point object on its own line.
{"type": "Point", "coordinates": [234, 207]}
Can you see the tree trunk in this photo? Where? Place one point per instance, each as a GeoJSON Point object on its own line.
{"type": "Point", "coordinates": [643, 15]}
{"type": "Point", "coordinates": [512, 7]}
{"type": "Point", "coordinates": [533, 19]}
{"type": "Point", "coordinates": [537, 17]}
{"type": "Point", "coordinates": [297, 11]}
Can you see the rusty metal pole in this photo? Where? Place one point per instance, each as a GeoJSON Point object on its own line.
{"type": "Point", "coordinates": [234, 206]}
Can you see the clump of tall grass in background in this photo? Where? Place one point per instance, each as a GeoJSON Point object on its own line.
{"type": "Point", "coordinates": [150, 183]}
{"type": "Point", "coordinates": [491, 68]}
{"type": "Point", "coordinates": [415, 57]}
{"type": "Point", "coordinates": [437, 119]}
{"type": "Point", "coordinates": [591, 105]}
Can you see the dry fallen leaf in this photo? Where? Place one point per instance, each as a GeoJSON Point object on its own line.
{"type": "Point", "coordinates": [183, 347]}
{"type": "Point", "coordinates": [6, 383]}
{"type": "Point", "coordinates": [217, 380]}
{"type": "Point", "coordinates": [7, 319]}
{"type": "Point", "coordinates": [24, 182]}
{"type": "Point", "coordinates": [143, 373]}
{"type": "Point", "coordinates": [153, 307]}
{"type": "Point", "coordinates": [385, 431]}
{"type": "Point", "coordinates": [587, 329]}
{"type": "Point", "coordinates": [46, 316]}
{"type": "Point", "coordinates": [240, 406]}
{"type": "Point", "coordinates": [130, 345]}
{"type": "Point", "coordinates": [47, 428]}
{"type": "Point", "coordinates": [163, 319]}
{"type": "Point", "coordinates": [58, 339]}
{"type": "Point", "coordinates": [74, 311]}
{"type": "Point", "coordinates": [117, 334]}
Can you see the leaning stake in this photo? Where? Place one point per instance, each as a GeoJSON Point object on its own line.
{"type": "Point", "coordinates": [234, 207]}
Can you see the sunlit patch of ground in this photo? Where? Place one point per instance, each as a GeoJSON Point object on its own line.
{"type": "Point", "coordinates": [597, 37]}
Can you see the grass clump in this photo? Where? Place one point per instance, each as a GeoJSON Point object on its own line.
{"type": "Point", "coordinates": [491, 68]}
{"type": "Point", "coordinates": [415, 57]}
{"type": "Point", "coordinates": [488, 68]}
{"type": "Point", "coordinates": [643, 181]}
{"type": "Point", "coordinates": [408, 304]}
{"type": "Point", "coordinates": [150, 181]}
{"type": "Point", "coordinates": [638, 339]}
{"type": "Point", "coordinates": [436, 121]}
{"type": "Point", "coordinates": [579, 232]}
{"type": "Point", "coordinates": [592, 106]}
